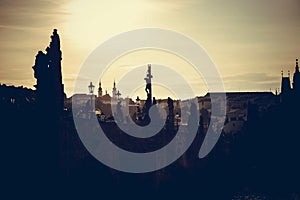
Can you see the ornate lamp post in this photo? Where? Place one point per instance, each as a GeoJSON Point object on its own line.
{"type": "Point", "coordinates": [91, 90]}
{"type": "Point", "coordinates": [118, 94]}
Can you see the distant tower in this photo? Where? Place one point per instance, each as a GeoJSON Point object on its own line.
{"type": "Point", "coordinates": [114, 91]}
{"type": "Point", "coordinates": [296, 79]}
{"type": "Point", "coordinates": [285, 88]}
{"type": "Point", "coordinates": [100, 90]}
{"type": "Point", "coordinates": [285, 84]}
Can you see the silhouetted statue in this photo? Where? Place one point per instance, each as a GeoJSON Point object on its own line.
{"type": "Point", "coordinates": [47, 71]}
{"type": "Point", "coordinates": [50, 99]}
{"type": "Point", "coordinates": [148, 90]}
{"type": "Point", "coordinates": [154, 101]}
{"type": "Point", "coordinates": [170, 119]}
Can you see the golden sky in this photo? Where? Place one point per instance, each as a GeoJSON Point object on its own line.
{"type": "Point", "coordinates": [249, 41]}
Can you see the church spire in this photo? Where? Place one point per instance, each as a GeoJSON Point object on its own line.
{"type": "Point", "coordinates": [114, 90]}
{"type": "Point", "coordinates": [100, 90]}
{"type": "Point", "coordinates": [296, 78]}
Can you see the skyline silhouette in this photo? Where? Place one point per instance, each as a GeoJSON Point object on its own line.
{"type": "Point", "coordinates": [253, 44]}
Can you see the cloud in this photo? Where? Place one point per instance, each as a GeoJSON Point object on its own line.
{"type": "Point", "coordinates": [256, 81]}
{"type": "Point", "coordinates": [253, 77]}
{"type": "Point", "coordinates": [29, 13]}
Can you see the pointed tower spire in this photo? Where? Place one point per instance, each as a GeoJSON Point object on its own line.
{"type": "Point", "coordinates": [114, 90]}
{"type": "Point", "coordinates": [100, 89]}
{"type": "Point", "coordinates": [296, 78]}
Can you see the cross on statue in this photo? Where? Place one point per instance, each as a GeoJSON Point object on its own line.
{"type": "Point", "coordinates": [149, 75]}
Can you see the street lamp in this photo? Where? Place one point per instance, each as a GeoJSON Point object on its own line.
{"type": "Point", "coordinates": [91, 90]}
{"type": "Point", "coordinates": [118, 94]}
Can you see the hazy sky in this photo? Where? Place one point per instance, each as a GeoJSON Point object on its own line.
{"type": "Point", "coordinates": [249, 41]}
